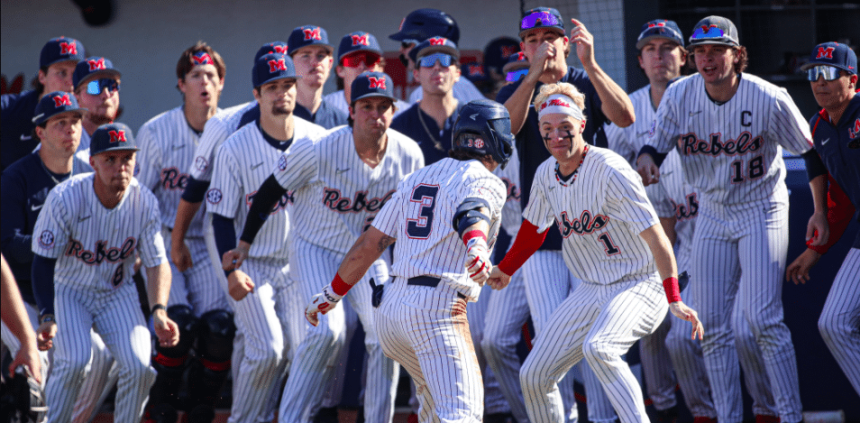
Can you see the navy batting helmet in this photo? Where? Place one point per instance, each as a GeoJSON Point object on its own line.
{"type": "Point", "coordinates": [484, 126]}
{"type": "Point", "coordinates": [422, 24]}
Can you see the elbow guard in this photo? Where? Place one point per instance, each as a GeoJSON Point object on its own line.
{"type": "Point", "coordinates": [468, 214]}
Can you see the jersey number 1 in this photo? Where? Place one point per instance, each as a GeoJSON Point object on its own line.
{"type": "Point", "coordinates": [426, 195]}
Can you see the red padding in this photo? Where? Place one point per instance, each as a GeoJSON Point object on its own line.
{"type": "Point", "coordinates": [339, 286]}
{"type": "Point", "coordinates": [528, 241]}
{"type": "Point", "coordinates": [170, 361]}
{"type": "Point", "coordinates": [473, 234]}
{"type": "Point", "coordinates": [215, 367]}
{"type": "Point", "coordinates": [673, 293]}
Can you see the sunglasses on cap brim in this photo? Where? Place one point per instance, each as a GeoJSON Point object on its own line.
{"type": "Point", "coordinates": [356, 59]}
{"type": "Point", "coordinates": [539, 19]}
{"type": "Point", "coordinates": [514, 76]}
{"type": "Point", "coordinates": [96, 86]}
{"type": "Point", "coordinates": [430, 60]}
{"type": "Point", "coordinates": [707, 33]}
{"type": "Point", "coordinates": [828, 72]}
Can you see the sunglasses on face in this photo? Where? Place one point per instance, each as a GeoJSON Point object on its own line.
{"type": "Point", "coordinates": [705, 33]}
{"type": "Point", "coordinates": [96, 86]}
{"type": "Point", "coordinates": [539, 19]}
{"type": "Point", "coordinates": [355, 60]}
{"type": "Point", "coordinates": [514, 76]}
{"type": "Point", "coordinates": [828, 72]}
{"type": "Point", "coordinates": [429, 60]}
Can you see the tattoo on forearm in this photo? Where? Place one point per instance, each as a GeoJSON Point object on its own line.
{"type": "Point", "coordinates": [385, 242]}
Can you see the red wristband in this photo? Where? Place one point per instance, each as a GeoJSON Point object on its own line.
{"type": "Point", "coordinates": [473, 234]}
{"type": "Point", "coordinates": [670, 285]}
{"type": "Point", "coordinates": [339, 286]}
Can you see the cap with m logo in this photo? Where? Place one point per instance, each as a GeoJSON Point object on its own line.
{"type": "Point", "coordinates": [372, 84]}
{"type": "Point", "coordinates": [55, 103]}
{"type": "Point", "coordinates": [91, 67]}
{"type": "Point", "coordinates": [112, 137]}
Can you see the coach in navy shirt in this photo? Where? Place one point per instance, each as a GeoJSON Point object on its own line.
{"type": "Point", "coordinates": [311, 52]}
{"type": "Point", "coordinates": [430, 121]}
{"type": "Point", "coordinates": [545, 45]}
{"type": "Point", "coordinates": [26, 183]}
{"type": "Point", "coordinates": [56, 65]}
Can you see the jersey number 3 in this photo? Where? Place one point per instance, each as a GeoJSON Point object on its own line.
{"type": "Point", "coordinates": [426, 195]}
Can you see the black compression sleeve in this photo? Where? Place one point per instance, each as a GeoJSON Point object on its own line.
{"type": "Point", "coordinates": [43, 283]}
{"type": "Point", "coordinates": [261, 207]}
{"type": "Point", "coordinates": [195, 191]}
{"type": "Point", "coordinates": [657, 156]}
{"type": "Point", "coordinates": [225, 236]}
{"type": "Point", "coordinates": [814, 166]}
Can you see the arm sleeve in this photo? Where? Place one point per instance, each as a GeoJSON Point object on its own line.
{"type": "Point", "coordinates": [52, 231]}
{"type": "Point", "coordinates": [814, 165]}
{"type": "Point", "coordinates": [296, 166]}
{"type": "Point", "coordinates": [195, 191]}
{"type": "Point", "coordinates": [149, 161]}
{"type": "Point", "coordinates": [14, 236]}
{"type": "Point", "coordinates": [669, 128]}
{"type": "Point", "coordinates": [225, 192]}
{"type": "Point", "coordinates": [528, 240]}
{"type": "Point", "coordinates": [225, 235]}
{"type": "Point", "coordinates": [152, 252]}
{"type": "Point", "coordinates": [627, 201]}
{"type": "Point", "coordinates": [839, 213]}
{"type": "Point", "coordinates": [787, 126]}
{"type": "Point", "coordinates": [261, 207]}
{"type": "Point", "coordinates": [43, 283]}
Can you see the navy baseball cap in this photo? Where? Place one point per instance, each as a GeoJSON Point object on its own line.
{"type": "Point", "coordinates": [357, 41]}
{"type": "Point", "coordinates": [112, 137]}
{"type": "Point", "coordinates": [517, 61]}
{"type": "Point", "coordinates": [422, 24]}
{"type": "Point", "coordinates": [273, 47]}
{"type": "Point", "coordinates": [659, 28]}
{"type": "Point", "coordinates": [497, 52]}
{"type": "Point", "coordinates": [272, 67]}
{"type": "Point", "coordinates": [372, 84]}
{"type": "Point", "coordinates": [541, 17]}
{"type": "Point", "coordinates": [308, 35]}
{"type": "Point", "coordinates": [55, 103]}
{"type": "Point", "coordinates": [474, 71]}
{"type": "Point", "coordinates": [93, 66]}
{"type": "Point", "coordinates": [61, 49]}
{"type": "Point", "coordinates": [434, 45]}
{"type": "Point", "coordinates": [714, 30]}
{"type": "Point", "coordinates": [833, 54]}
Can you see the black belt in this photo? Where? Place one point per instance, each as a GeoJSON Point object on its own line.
{"type": "Point", "coordinates": [428, 281]}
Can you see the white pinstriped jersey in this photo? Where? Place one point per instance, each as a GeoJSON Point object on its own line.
{"type": "Point", "coordinates": [732, 152]}
{"type": "Point", "coordinates": [217, 129]}
{"type": "Point", "coordinates": [600, 216]}
{"type": "Point", "coordinates": [420, 216]}
{"type": "Point", "coordinates": [94, 246]}
{"type": "Point", "coordinates": [167, 147]}
{"type": "Point", "coordinates": [243, 162]}
{"type": "Point", "coordinates": [674, 197]}
{"type": "Point", "coordinates": [512, 212]}
{"type": "Point", "coordinates": [336, 195]}
{"type": "Point", "coordinates": [628, 141]}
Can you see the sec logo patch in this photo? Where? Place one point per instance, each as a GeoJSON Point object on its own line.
{"type": "Point", "coordinates": [282, 163]}
{"type": "Point", "coordinates": [213, 196]}
{"type": "Point", "coordinates": [46, 239]}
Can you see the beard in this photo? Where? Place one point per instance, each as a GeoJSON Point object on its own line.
{"type": "Point", "coordinates": [100, 118]}
{"type": "Point", "coordinates": [281, 110]}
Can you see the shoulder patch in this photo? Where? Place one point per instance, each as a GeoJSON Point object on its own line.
{"type": "Point", "coordinates": [214, 196]}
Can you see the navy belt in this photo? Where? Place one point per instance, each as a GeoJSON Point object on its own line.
{"type": "Point", "coordinates": [428, 281]}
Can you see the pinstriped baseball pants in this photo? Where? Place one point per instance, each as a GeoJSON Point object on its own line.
{"type": "Point", "coordinates": [841, 316]}
{"type": "Point", "coordinates": [599, 323]}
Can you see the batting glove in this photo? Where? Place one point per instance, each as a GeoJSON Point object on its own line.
{"type": "Point", "coordinates": [478, 260]}
{"type": "Point", "coordinates": [322, 303]}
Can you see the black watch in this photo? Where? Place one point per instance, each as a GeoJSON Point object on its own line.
{"type": "Point", "coordinates": [157, 307]}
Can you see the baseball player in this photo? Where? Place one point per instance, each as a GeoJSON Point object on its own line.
{"type": "Point", "coordinates": [16, 318]}
{"type": "Point", "coordinates": [516, 68]}
{"type": "Point", "coordinates": [422, 317]}
{"type": "Point", "coordinates": [260, 289]}
{"type": "Point", "coordinates": [832, 72]}
{"type": "Point", "coordinates": [613, 242]}
{"type": "Point", "coordinates": [312, 54]}
{"type": "Point", "coordinates": [662, 57]}
{"type": "Point", "coordinates": [358, 52]}
{"type": "Point", "coordinates": [430, 122]}
{"type": "Point", "coordinates": [337, 193]}
{"type": "Point", "coordinates": [215, 131]}
{"type": "Point", "coordinates": [96, 83]}
{"type": "Point", "coordinates": [90, 229]}
{"type": "Point", "coordinates": [25, 185]}
{"type": "Point", "coordinates": [167, 144]}
{"type": "Point", "coordinates": [732, 128]}
{"type": "Point", "coordinates": [420, 25]}
{"type": "Point", "coordinates": [56, 64]}
{"type": "Point", "coordinates": [546, 47]}
{"type": "Point", "coordinates": [497, 54]}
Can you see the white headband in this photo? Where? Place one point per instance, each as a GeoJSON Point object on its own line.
{"type": "Point", "coordinates": [560, 103]}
